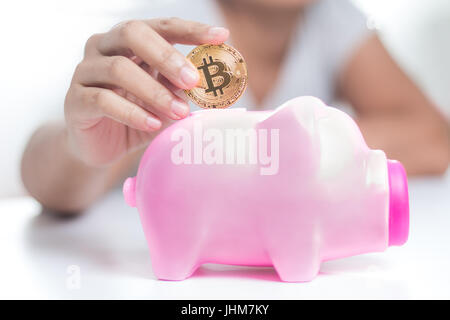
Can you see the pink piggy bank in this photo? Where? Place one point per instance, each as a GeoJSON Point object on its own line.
{"type": "Point", "coordinates": [287, 188]}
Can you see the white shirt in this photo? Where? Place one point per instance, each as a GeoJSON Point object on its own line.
{"type": "Point", "coordinates": [324, 40]}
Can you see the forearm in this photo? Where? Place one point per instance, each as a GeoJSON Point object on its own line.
{"type": "Point", "coordinates": [393, 113]}
{"type": "Point", "coordinates": [419, 140]}
{"type": "Point", "coordinates": [55, 177]}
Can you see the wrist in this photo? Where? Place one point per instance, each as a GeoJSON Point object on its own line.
{"type": "Point", "coordinates": [73, 154]}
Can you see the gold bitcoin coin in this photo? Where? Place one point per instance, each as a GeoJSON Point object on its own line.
{"type": "Point", "coordinates": [223, 76]}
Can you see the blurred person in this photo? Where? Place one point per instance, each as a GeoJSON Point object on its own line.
{"type": "Point", "coordinates": [128, 88]}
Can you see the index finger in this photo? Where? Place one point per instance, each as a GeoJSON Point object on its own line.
{"type": "Point", "coordinates": [141, 39]}
{"type": "Point", "coordinates": [176, 30]}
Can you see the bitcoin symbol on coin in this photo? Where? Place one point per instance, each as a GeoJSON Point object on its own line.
{"type": "Point", "coordinates": [219, 73]}
{"type": "Point", "coordinates": [223, 76]}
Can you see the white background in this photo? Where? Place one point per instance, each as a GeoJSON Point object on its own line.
{"type": "Point", "coordinates": [42, 41]}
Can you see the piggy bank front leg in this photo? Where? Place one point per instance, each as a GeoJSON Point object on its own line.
{"type": "Point", "coordinates": [295, 255]}
{"type": "Point", "coordinates": [296, 267]}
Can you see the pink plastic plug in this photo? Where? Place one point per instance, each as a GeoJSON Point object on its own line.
{"type": "Point", "coordinates": [398, 204]}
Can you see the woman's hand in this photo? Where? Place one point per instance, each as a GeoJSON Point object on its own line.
{"type": "Point", "coordinates": [127, 86]}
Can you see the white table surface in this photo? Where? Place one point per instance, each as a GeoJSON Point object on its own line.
{"type": "Point", "coordinates": [107, 245]}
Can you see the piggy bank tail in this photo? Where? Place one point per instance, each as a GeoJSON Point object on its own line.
{"type": "Point", "coordinates": [129, 191]}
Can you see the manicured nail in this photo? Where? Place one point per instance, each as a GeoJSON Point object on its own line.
{"type": "Point", "coordinates": [189, 76]}
{"type": "Point", "coordinates": [153, 123]}
{"type": "Point", "coordinates": [217, 31]}
{"type": "Point", "coordinates": [180, 109]}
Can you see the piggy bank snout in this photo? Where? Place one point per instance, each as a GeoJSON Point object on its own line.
{"type": "Point", "coordinates": [129, 191]}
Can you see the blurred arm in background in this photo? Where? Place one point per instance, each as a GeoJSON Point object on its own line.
{"type": "Point", "coordinates": [62, 182]}
{"type": "Point", "coordinates": [392, 113]}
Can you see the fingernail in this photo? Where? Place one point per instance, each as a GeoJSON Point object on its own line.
{"type": "Point", "coordinates": [153, 123]}
{"type": "Point", "coordinates": [189, 76]}
{"type": "Point", "coordinates": [179, 108]}
{"type": "Point", "coordinates": [217, 31]}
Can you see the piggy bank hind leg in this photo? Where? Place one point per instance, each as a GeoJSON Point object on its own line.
{"type": "Point", "coordinates": [175, 271]}
{"type": "Point", "coordinates": [175, 258]}
{"type": "Point", "coordinates": [296, 258]}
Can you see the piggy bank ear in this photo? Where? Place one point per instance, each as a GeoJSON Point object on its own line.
{"type": "Point", "coordinates": [301, 112]}
{"type": "Point", "coordinates": [129, 191]}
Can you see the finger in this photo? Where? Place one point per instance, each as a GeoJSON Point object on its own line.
{"type": "Point", "coordinates": [147, 44]}
{"type": "Point", "coordinates": [121, 72]}
{"type": "Point", "coordinates": [104, 102]}
{"type": "Point", "coordinates": [175, 90]}
{"type": "Point", "coordinates": [90, 48]}
{"type": "Point", "coordinates": [176, 30]}
{"type": "Point", "coordinates": [163, 80]}
{"type": "Point", "coordinates": [130, 97]}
